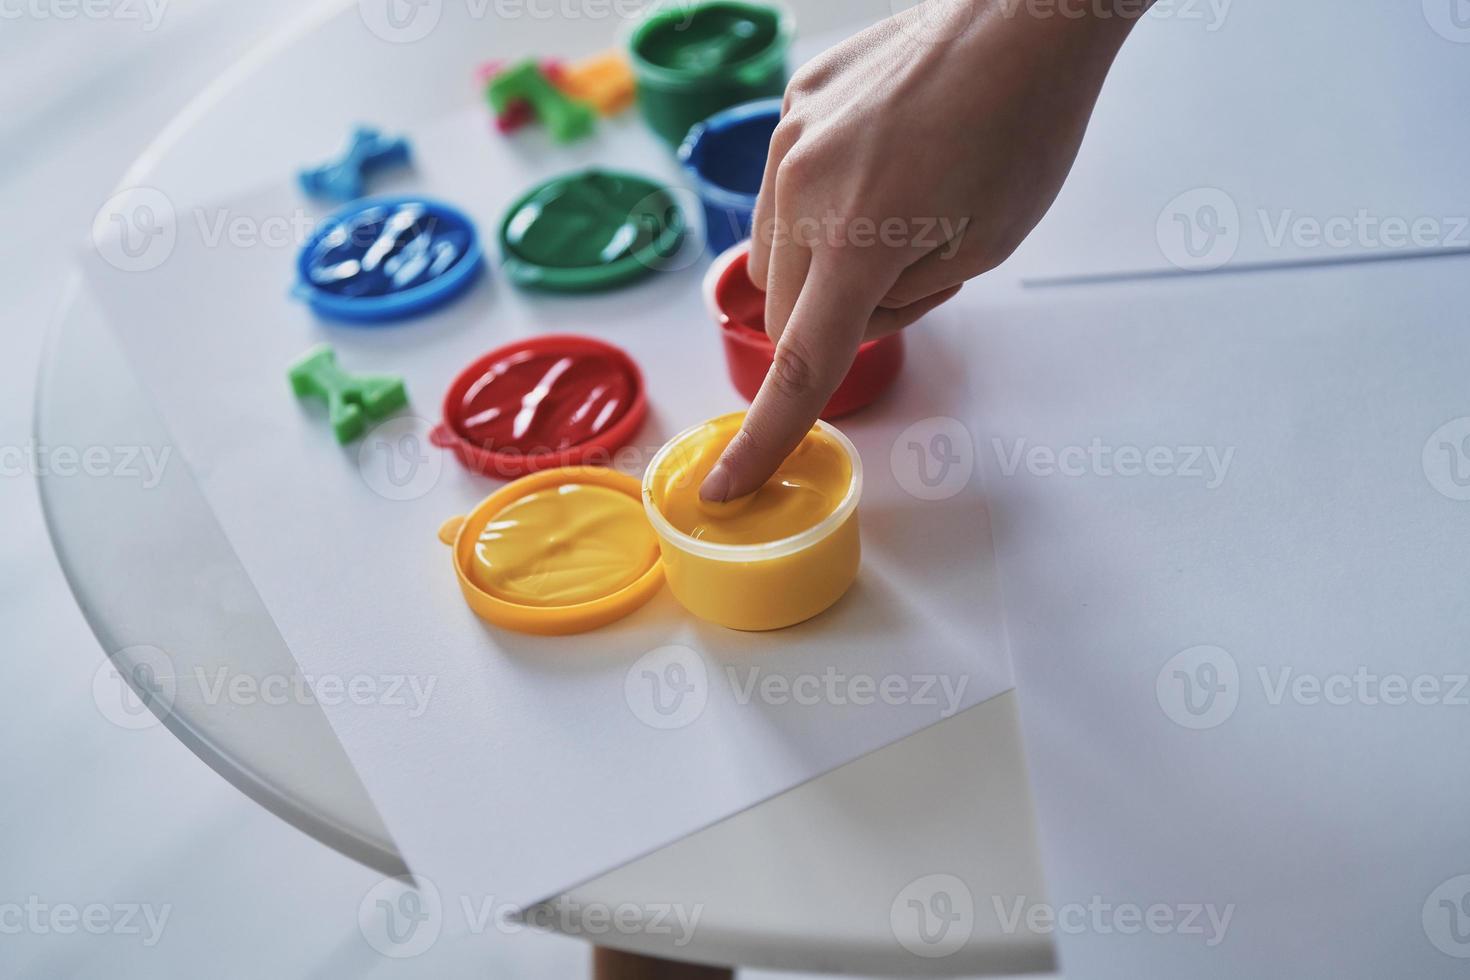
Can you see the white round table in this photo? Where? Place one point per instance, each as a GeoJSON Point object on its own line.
{"type": "Point", "coordinates": [807, 881]}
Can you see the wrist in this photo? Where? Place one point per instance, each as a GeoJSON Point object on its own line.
{"type": "Point", "coordinates": [1084, 35]}
{"type": "Point", "coordinates": [1096, 18]}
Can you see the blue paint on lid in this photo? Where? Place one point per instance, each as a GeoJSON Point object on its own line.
{"type": "Point", "coordinates": [388, 258]}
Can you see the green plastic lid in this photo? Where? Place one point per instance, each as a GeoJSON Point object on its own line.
{"type": "Point", "coordinates": [590, 230]}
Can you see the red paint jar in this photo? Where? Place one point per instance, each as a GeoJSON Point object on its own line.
{"type": "Point", "coordinates": [739, 309]}
{"type": "Point", "coordinates": [552, 401]}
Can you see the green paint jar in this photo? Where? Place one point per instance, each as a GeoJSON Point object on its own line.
{"type": "Point", "coordinates": [694, 59]}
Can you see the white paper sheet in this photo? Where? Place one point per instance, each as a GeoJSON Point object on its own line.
{"type": "Point", "coordinates": [1206, 660]}
{"type": "Point", "coordinates": [538, 763]}
{"type": "Point", "coordinates": [1234, 133]}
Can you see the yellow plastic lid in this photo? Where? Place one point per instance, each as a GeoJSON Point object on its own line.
{"type": "Point", "coordinates": [558, 552]}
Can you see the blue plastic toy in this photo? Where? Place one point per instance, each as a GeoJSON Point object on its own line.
{"type": "Point", "coordinates": [346, 179]}
{"type": "Point", "coordinates": [387, 258]}
{"type": "Point", "coordinates": [725, 157]}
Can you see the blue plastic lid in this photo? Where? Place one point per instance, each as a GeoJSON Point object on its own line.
{"type": "Point", "coordinates": [387, 258]}
{"type": "Point", "coordinates": [726, 154]}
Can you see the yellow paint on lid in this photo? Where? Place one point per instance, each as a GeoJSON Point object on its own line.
{"type": "Point", "coordinates": [562, 551]}
{"type": "Point", "coordinates": [806, 489]}
{"type": "Point", "coordinates": [564, 546]}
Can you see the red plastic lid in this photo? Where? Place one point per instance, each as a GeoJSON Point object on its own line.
{"type": "Point", "coordinates": [558, 400]}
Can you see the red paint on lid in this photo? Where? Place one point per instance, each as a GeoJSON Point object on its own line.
{"type": "Point", "coordinates": [533, 402]}
{"type": "Point", "coordinates": [548, 401]}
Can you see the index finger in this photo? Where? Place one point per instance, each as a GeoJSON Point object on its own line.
{"type": "Point", "coordinates": [814, 354]}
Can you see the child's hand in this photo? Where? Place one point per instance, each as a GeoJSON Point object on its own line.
{"type": "Point", "coordinates": [910, 158]}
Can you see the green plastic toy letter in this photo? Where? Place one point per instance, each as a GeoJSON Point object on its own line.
{"type": "Point", "coordinates": [352, 400]}
{"type": "Point", "coordinates": [565, 118]}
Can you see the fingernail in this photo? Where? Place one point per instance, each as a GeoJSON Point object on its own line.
{"type": "Point", "coordinates": [716, 486]}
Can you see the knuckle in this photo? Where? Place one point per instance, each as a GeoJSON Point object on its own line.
{"type": "Point", "coordinates": [793, 371]}
{"type": "Point", "coordinates": [787, 131]}
{"type": "Point", "coordinates": [798, 169]}
{"type": "Point", "coordinates": [803, 82]}
{"type": "Point", "coordinates": [747, 443]}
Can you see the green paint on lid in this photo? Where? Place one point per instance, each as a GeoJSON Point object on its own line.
{"type": "Point", "coordinates": [590, 230]}
{"type": "Point", "coordinates": [708, 39]}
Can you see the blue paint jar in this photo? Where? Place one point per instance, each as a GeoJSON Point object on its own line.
{"type": "Point", "coordinates": [725, 157]}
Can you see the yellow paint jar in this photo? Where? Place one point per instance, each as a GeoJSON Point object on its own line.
{"type": "Point", "coordinates": [767, 561]}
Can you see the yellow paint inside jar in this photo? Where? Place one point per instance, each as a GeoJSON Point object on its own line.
{"type": "Point", "coordinates": [806, 489]}
{"type": "Point", "coordinates": [563, 546]}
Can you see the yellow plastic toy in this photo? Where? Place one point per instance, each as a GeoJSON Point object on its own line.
{"type": "Point", "coordinates": [605, 81]}
{"type": "Point", "coordinates": [767, 561]}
